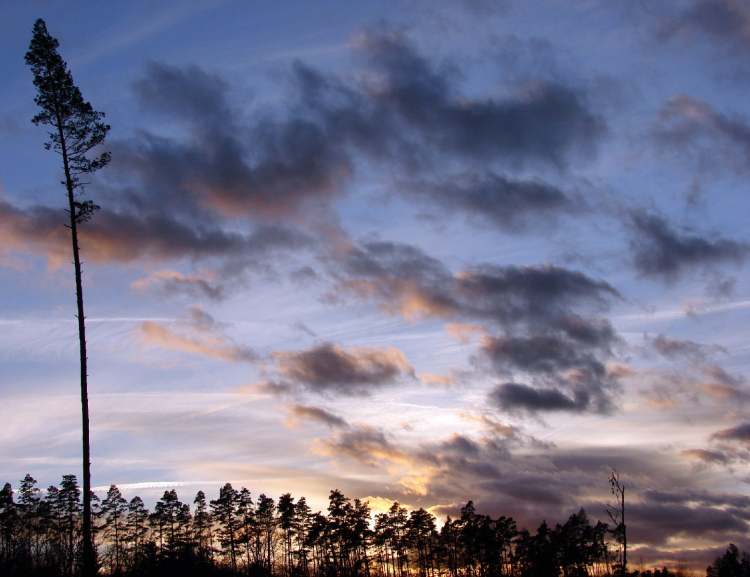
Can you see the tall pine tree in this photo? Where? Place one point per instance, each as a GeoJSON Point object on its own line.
{"type": "Point", "coordinates": [76, 129]}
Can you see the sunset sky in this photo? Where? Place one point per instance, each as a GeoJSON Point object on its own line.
{"type": "Point", "coordinates": [424, 251]}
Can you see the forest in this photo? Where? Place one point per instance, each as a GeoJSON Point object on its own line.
{"type": "Point", "coordinates": [239, 534]}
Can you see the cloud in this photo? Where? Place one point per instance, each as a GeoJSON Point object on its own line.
{"type": "Point", "coordinates": [538, 305]}
{"type": "Point", "coordinates": [175, 282]}
{"type": "Point", "coordinates": [331, 369]}
{"type": "Point", "coordinates": [652, 522]}
{"type": "Point", "coordinates": [706, 456]}
{"type": "Point", "coordinates": [368, 445]}
{"type": "Point", "coordinates": [494, 199]}
{"type": "Point", "coordinates": [495, 427]}
{"type": "Point", "coordinates": [547, 123]}
{"type": "Point", "coordinates": [293, 161]}
{"type": "Point", "coordinates": [184, 93]}
{"type": "Point", "coordinates": [269, 169]}
{"type": "Point", "coordinates": [123, 237]}
{"type": "Point", "coordinates": [541, 354]}
{"type": "Point", "coordinates": [569, 375]}
{"type": "Point", "coordinates": [409, 282]}
{"type": "Point", "coordinates": [660, 251]}
{"type": "Point", "coordinates": [316, 414]}
{"type": "Point", "coordinates": [710, 137]}
{"type": "Point", "coordinates": [739, 434]}
{"type": "Point", "coordinates": [723, 21]}
{"type": "Point", "coordinates": [192, 193]}
{"type": "Point", "coordinates": [464, 332]}
{"type": "Point", "coordinates": [513, 476]}
{"type": "Point", "coordinates": [683, 349]}
{"type": "Point", "coordinates": [198, 334]}
{"type": "Point", "coordinates": [436, 380]}
{"type": "Point", "coordinates": [719, 376]}
{"type": "Point", "coordinates": [515, 396]}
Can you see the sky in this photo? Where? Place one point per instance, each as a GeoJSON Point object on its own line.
{"type": "Point", "coordinates": [419, 251]}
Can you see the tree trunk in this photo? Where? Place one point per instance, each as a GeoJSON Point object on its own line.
{"type": "Point", "coordinates": [624, 538]}
{"type": "Point", "coordinates": [88, 549]}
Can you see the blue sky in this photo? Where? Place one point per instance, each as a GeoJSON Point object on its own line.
{"type": "Point", "coordinates": [421, 252]}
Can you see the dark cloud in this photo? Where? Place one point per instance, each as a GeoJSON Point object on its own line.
{"type": "Point", "coordinates": [330, 369]}
{"type": "Point", "coordinates": [184, 93]}
{"type": "Point", "coordinates": [409, 111]}
{"type": "Point", "coordinates": [538, 306]}
{"type": "Point", "coordinates": [292, 161]}
{"type": "Point", "coordinates": [740, 434]}
{"type": "Point", "coordinates": [708, 137]}
{"type": "Point", "coordinates": [409, 282]}
{"type": "Point", "coordinates": [368, 445]}
{"type": "Point", "coordinates": [717, 374]}
{"type": "Point", "coordinates": [171, 282]}
{"type": "Point", "coordinates": [723, 21]}
{"type": "Point", "coordinates": [519, 397]}
{"type": "Point", "coordinates": [660, 251]}
{"type": "Point", "coordinates": [497, 200]}
{"type": "Point", "coordinates": [547, 123]}
{"type": "Point", "coordinates": [319, 415]}
{"type": "Point", "coordinates": [706, 456]}
{"type": "Point", "coordinates": [126, 237]}
{"type": "Point", "coordinates": [654, 521]}
{"type": "Point", "coordinates": [699, 497]}
{"type": "Point", "coordinates": [266, 170]}
{"type": "Point", "coordinates": [569, 375]}
{"type": "Point", "coordinates": [683, 349]}
{"type": "Point", "coordinates": [540, 354]}
{"type": "Point", "coordinates": [693, 558]}
{"type": "Point", "coordinates": [549, 484]}
{"type": "Point", "coordinates": [304, 275]}
{"type": "Point", "coordinates": [531, 295]}
{"type": "Point", "coordinates": [193, 192]}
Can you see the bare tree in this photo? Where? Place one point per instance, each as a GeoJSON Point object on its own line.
{"type": "Point", "coordinates": [75, 130]}
{"type": "Point", "coordinates": [616, 512]}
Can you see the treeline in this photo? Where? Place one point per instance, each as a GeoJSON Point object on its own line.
{"type": "Point", "coordinates": [236, 534]}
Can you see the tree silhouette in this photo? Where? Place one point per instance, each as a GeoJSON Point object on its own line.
{"type": "Point", "coordinates": [285, 539]}
{"type": "Point", "coordinates": [202, 527]}
{"type": "Point", "coordinates": [616, 513]}
{"type": "Point", "coordinates": [114, 515]}
{"type": "Point", "coordinates": [265, 519]}
{"type": "Point", "coordinates": [76, 129]}
{"type": "Point", "coordinates": [286, 510]}
{"type": "Point", "coordinates": [224, 512]}
{"type": "Point", "coordinates": [731, 564]}
{"type": "Point", "coordinates": [137, 529]}
{"type": "Point", "coordinates": [28, 507]}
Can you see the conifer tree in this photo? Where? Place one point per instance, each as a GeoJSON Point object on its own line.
{"type": "Point", "coordinates": [169, 511]}
{"type": "Point", "coordinates": [224, 512]}
{"type": "Point", "coordinates": [302, 520]}
{"type": "Point", "coordinates": [76, 130]}
{"type": "Point", "coordinates": [246, 522]}
{"type": "Point", "coordinates": [137, 528]}
{"type": "Point", "coordinates": [114, 515]}
{"type": "Point", "coordinates": [285, 507]}
{"type": "Point", "coordinates": [8, 523]}
{"type": "Point", "coordinates": [266, 522]}
{"type": "Point", "coordinates": [202, 526]}
{"type": "Point", "coordinates": [68, 505]}
{"type": "Point", "coordinates": [28, 505]}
